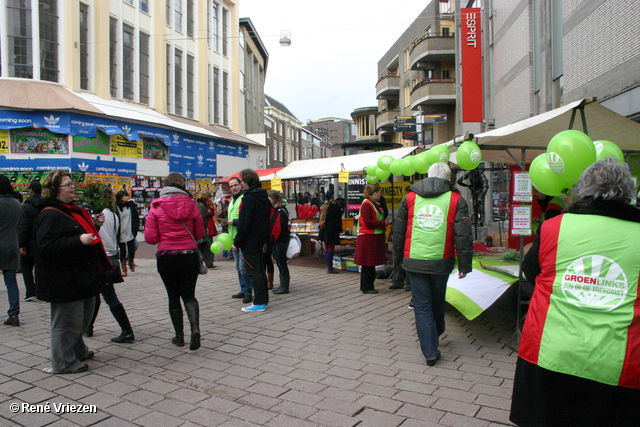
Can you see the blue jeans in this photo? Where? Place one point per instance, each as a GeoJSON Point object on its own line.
{"type": "Point", "coordinates": [243, 278]}
{"type": "Point", "coordinates": [428, 293]}
{"type": "Point", "coordinates": [12, 291]}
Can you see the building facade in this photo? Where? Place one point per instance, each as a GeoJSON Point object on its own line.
{"type": "Point", "coordinates": [333, 132]}
{"type": "Point", "coordinates": [131, 74]}
{"type": "Point", "coordinates": [285, 134]}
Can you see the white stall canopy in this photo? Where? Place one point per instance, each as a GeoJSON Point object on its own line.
{"type": "Point", "coordinates": [331, 166]}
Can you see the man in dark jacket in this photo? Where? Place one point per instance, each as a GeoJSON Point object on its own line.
{"type": "Point", "coordinates": [432, 221]}
{"type": "Point", "coordinates": [26, 237]}
{"type": "Point", "coordinates": [253, 232]}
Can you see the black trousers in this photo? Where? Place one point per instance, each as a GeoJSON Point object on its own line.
{"type": "Point", "coordinates": [27, 263]}
{"type": "Point", "coordinates": [179, 274]}
{"type": "Point", "coordinates": [257, 275]}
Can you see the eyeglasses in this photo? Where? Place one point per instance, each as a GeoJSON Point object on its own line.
{"type": "Point", "coordinates": [71, 185]}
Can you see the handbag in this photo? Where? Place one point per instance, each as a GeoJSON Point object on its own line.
{"type": "Point", "coordinates": [295, 245]}
{"type": "Point", "coordinates": [203, 268]}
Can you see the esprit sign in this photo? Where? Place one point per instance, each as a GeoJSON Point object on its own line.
{"type": "Point", "coordinates": [471, 55]}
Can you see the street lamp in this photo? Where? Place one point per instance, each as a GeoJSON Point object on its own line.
{"type": "Point", "coordinates": [285, 40]}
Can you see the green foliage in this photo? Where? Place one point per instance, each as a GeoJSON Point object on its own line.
{"type": "Point", "coordinates": [95, 197]}
{"type": "Point", "coordinates": [510, 255]}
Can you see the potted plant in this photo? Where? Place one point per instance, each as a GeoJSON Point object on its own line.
{"type": "Point", "coordinates": [95, 197]}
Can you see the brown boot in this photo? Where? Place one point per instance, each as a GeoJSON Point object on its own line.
{"type": "Point", "coordinates": [269, 280]}
{"type": "Point", "coordinates": [123, 267]}
{"type": "Point", "coordinates": [132, 265]}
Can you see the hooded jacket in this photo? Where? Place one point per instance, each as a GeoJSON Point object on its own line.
{"type": "Point", "coordinates": [460, 237]}
{"type": "Point", "coordinates": [166, 216]}
{"type": "Point", "coordinates": [253, 221]}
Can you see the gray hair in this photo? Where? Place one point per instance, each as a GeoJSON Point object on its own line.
{"type": "Point", "coordinates": [606, 180]}
{"type": "Point", "coordinates": [439, 170]}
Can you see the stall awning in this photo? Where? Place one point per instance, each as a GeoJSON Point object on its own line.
{"type": "Point", "coordinates": [535, 132]}
{"type": "Point", "coordinates": [331, 166]}
{"type": "Point", "coordinates": [264, 174]}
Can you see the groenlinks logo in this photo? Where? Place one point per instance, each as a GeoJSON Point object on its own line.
{"type": "Point", "coordinates": [599, 146]}
{"type": "Point", "coordinates": [475, 156]}
{"type": "Point", "coordinates": [595, 283]}
{"type": "Point", "coordinates": [430, 217]}
{"type": "Point", "coordinates": [555, 163]}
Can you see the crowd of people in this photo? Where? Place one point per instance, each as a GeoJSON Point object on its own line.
{"type": "Point", "coordinates": [578, 357]}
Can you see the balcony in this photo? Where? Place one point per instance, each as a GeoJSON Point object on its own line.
{"type": "Point", "coordinates": [428, 51]}
{"type": "Point", "coordinates": [388, 86]}
{"type": "Point", "coordinates": [432, 92]}
{"type": "Point", "coordinates": [386, 118]}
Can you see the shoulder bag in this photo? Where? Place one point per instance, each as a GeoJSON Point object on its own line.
{"type": "Point", "coordinates": [203, 268]}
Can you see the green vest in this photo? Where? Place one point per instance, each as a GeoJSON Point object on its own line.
{"type": "Point", "coordinates": [429, 229]}
{"type": "Point", "coordinates": [582, 312]}
{"type": "Point", "coordinates": [233, 212]}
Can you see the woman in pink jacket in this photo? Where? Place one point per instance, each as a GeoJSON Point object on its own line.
{"type": "Point", "coordinates": [174, 223]}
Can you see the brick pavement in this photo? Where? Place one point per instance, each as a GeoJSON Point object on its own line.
{"type": "Point", "coordinates": [323, 355]}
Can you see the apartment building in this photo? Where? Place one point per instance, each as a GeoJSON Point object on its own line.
{"type": "Point", "coordinates": [119, 81]}
{"type": "Point", "coordinates": [333, 132]}
{"type": "Point", "coordinates": [284, 136]}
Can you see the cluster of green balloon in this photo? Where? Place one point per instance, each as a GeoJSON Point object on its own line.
{"type": "Point", "coordinates": [408, 166]}
{"type": "Point", "coordinates": [468, 155]}
{"type": "Point", "coordinates": [568, 154]}
{"type": "Point", "coordinates": [223, 242]}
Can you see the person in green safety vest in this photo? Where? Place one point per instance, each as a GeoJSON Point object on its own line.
{"type": "Point", "coordinates": [579, 357]}
{"type": "Point", "coordinates": [431, 226]}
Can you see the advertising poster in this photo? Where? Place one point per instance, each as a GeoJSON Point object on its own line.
{"type": "Point", "coordinates": [4, 141]}
{"type": "Point", "coordinates": [521, 221]}
{"type": "Point", "coordinates": [124, 148]}
{"type": "Point", "coordinates": [522, 190]}
{"type": "Point", "coordinates": [97, 145]}
{"type": "Point", "coordinates": [355, 188]}
{"type": "Point", "coordinates": [154, 149]}
{"type": "Point", "coordinates": [28, 141]}
{"type": "Point", "coordinates": [21, 179]}
{"type": "Point", "coordinates": [394, 193]}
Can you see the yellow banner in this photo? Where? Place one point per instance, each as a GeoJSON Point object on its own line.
{"type": "Point", "coordinates": [343, 176]}
{"type": "Point", "coordinates": [394, 193]}
{"type": "Point", "coordinates": [121, 147]}
{"type": "Point", "coordinates": [4, 141]}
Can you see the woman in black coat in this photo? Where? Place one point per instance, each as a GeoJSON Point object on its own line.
{"type": "Point", "coordinates": [69, 259]}
{"type": "Point", "coordinates": [330, 229]}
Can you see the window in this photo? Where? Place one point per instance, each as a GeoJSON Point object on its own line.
{"type": "Point", "coordinates": [216, 95]}
{"type": "Point", "coordinates": [144, 6]}
{"type": "Point", "coordinates": [446, 74]}
{"type": "Point", "coordinates": [214, 22]}
{"type": "Point", "coordinates": [168, 54]}
{"type": "Point", "coordinates": [446, 32]}
{"type": "Point", "coordinates": [127, 62]}
{"type": "Point", "coordinates": [144, 68]}
{"type": "Point", "coordinates": [407, 96]}
{"type": "Point", "coordinates": [49, 40]}
{"type": "Point", "coordinates": [84, 46]}
{"type": "Point", "coordinates": [190, 18]}
{"type": "Point", "coordinates": [190, 86]}
{"type": "Point", "coordinates": [167, 13]}
{"type": "Point", "coordinates": [406, 59]}
{"type": "Point", "coordinates": [113, 56]}
{"type": "Point", "coordinates": [129, 2]}
{"type": "Point", "coordinates": [177, 19]}
{"type": "Point", "coordinates": [19, 39]}
{"type": "Point", "coordinates": [177, 78]}
{"type": "Point", "coordinates": [225, 98]}
{"type": "Point", "coordinates": [225, 32]}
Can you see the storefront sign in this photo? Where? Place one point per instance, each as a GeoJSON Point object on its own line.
{"type": "Point", "coordinates": [97, 145]}
{"type": "Point", "coordinates": [471, 60]}
{"type": "Point", "coordinates": [124, 148]}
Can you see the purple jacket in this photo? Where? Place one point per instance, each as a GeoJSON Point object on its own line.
{"type": "Point", "coordinates": [164, 227]}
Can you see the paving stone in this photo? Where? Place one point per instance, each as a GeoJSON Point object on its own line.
{"type": "Point", "coordinates": [371, 417]}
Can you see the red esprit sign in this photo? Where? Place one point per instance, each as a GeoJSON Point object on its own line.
{"type": "Point", "coordinates": [471, 56]}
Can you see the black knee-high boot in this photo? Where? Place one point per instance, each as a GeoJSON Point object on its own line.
{"type": "Point", "coordinates": [123, 320]}
{"type": "Point", "coordinates": [284, 286]}
{"type": "Point", "coordinates": [178, 325]}
{"type": "Point", "coordinates": [193, 314]}
{"type": "Point", "coordinates": [89, 331]}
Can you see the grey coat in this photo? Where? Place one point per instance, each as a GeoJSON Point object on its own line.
{"type": "Point", "coordinates": [10, 212]}
{"type": "Point", "coordinates": [462, 238]}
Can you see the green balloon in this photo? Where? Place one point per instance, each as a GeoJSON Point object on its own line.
{"type": "Point", "coordinates": [544, 179]}
{"type": "Point", "coordinates": [469, 155]}
{"type": "Point", "coordinates": [371, 170]}
{"type": "Point", "coordinates": [407, 166]}
{"type": "Point", "coordinates": [384, 162]}
{"type": "Point", "coordinates": [606, 149]}
{"type": "Point", "coordinates": [225, 240]}
{"type": "Point", "coordinates": [396, 167]}
{"type": "Point", "coordinates": [372, 179]}
{"type": "Point", "coordinates": [421, 163]}
{"type": "Point", "coordinates": [383, 174]}
{"type": "Point", "coordinates": [439, 153]}
{"type": "Point", "coordinates": [216, 247]}
{"type": "Point", "coordinates": [569, 153]}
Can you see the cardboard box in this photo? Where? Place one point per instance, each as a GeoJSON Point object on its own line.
{"type": "Point", "coordinates": [339, 263]}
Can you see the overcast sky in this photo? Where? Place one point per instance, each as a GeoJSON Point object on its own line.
{"type": "Point", "coordinates": [330, 69]}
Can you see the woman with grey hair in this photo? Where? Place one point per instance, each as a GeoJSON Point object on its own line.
{"type": "Point", "coordinates": [578, 361]}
